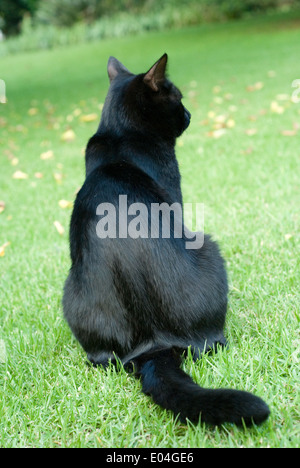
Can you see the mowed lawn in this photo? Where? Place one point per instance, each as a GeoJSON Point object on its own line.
{"type": "Point", "coordinates": [240, 157]}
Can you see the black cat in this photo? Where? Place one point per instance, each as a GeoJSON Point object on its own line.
{"type": "Point", "coordinates": [145, 299]}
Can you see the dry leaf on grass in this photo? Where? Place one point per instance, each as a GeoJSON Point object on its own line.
{"type": "Point", "coordinates": [230, 123]}
{"type": "Point", "coordinates": [2, 248]}
{"type": "Point", "coordinates": [65, 204]}
{"type": "Point", "coordinates": [276, 108]}
{"type": "Point", "coordinates": [89, 117]}
{"type": "Point", "coordinates": [251, 131]}
{"type": "Point", "coordinates": [59, 227]}
{"type": "Point", "coordinates": [20, 175]}
{"type": "Point", "coordinates": [68, 135]}
{"type": "Point", "coordinates": [217, 89]}
{"type": "Point", "coordinates": [32, 111]}
{"type": "Point", "coordinates": [255, 87]}
{"type": "Point", "coordinates": [2, 206]}
{"type": "Point", "coordinates": [47, 155]}
{"type": "Point", "coordinates": [14, 162]}
{"type": "Point", "coordinates": [217, 133]}
{"type": "Point", "coordinates": [58, 177]}
{"type": "Point", "coordinates": [289, 132]}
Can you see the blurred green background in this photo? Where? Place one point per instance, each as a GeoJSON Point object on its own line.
{"type": "Point", "coordinates": [43, 24]}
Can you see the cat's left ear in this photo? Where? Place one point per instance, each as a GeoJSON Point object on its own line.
{"type": "Point", "coordinates": [157, 73]}
{"type": "Point", "coordinates": [114, 68]}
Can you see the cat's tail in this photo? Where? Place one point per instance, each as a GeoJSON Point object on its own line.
{"type": "Point", "coordinates": [173, 389]}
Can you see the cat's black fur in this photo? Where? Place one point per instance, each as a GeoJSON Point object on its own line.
{"type": "Point", "coordinates": [147, 300]}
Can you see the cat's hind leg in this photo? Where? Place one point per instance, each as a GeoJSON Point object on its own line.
{"type": "Point", "coordinates": [208, 344]}
{"type": "Point", "coordinates": [102, 358]}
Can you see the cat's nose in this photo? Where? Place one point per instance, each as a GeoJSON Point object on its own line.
{"type": "Point", "coordinates": [187, 118]}
{"type": "Point", "coordinates": [187, 113]}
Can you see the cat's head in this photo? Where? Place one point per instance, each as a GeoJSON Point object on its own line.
{"type": "Point", "coordinates": [147, 102]}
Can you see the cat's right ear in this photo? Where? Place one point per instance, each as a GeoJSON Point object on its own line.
{"type": "Point", "coordinates": [114, 68]}
{"type": "Point", "coordinates": [157, 73]}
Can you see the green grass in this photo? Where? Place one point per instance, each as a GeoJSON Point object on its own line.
{"type": "Point", "coordinates": [247, 175]}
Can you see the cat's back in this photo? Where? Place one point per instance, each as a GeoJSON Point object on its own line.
{"type": "Point", "coordinates": [107, 182]}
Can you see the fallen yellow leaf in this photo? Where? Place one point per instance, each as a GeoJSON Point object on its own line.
{"type": "Point", "coordinates": [20, 175]}
{"type": "Point", "coordinates": [68, 135]}
{"type": "Point", "coordinates": [2, 249]}
{"type": "Point", "coordinates": [89, 117]}
{"type": "Point", "coordinates": [289, 132]}
{"type": "Point", "coordinates": [251, 131]}
{"type": "Point", "coordinates": [276, 108]}
{"type": "Point", "coordinates": [255, 87]}
{"type": "Point", "coordinates": [220, 118]}
{"type": "Point", "coordinates": [58, 177]}
{"type": "Point", "coordinates": [33, 111]}
{"type": "Point", "coordinates": [38, 175]}
{"type": "Point", "coordinates": [59, 227]}
{"type": "Point", "coordinates": [217, 89]}
{"type": "Point", "coordinates": [65, 204]}
{"type": "Point", "coordinates": [259, 85]}
{"type": "Point", "coordinates": [47, 155]}
{"type": "Point", "coordinates": [230, 123]}
{"type": "Point", "coordinates": [217, 133]}
{"type": "Point", "coordinates": [14, 162]}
